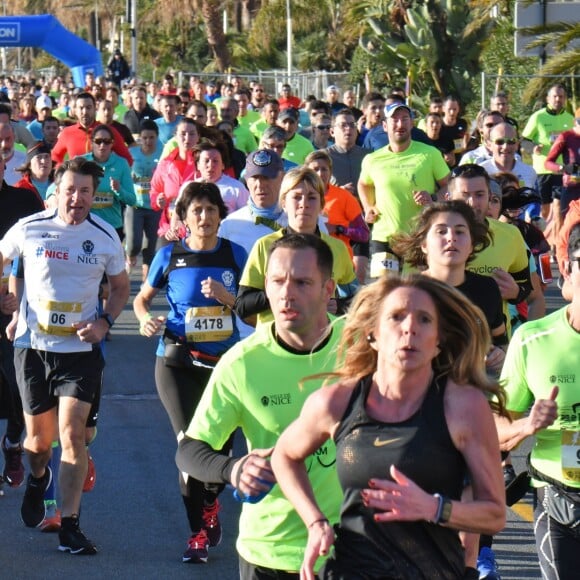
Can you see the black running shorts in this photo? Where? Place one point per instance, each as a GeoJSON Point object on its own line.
{"type": "Point", "coordinates": [44, 376]}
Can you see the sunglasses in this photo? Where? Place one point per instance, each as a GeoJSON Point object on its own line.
{"type": "Point", "coordinates": [102, 141]}
{"type": "Point", "coordinates": [322, 127]}
{"type": "Point", "coordinates": [350, 125]}
{"type": "Point", "coordinates": [501, 142]}
{"type": "Point", "coordinates": [469, 170]}
{"type": "Point", "coordinates": [490, 125]}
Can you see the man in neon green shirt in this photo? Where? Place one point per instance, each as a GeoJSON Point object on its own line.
{"type": "Point", "coordinates": [541, 130]}
{"type": "Point", "coordinates": [297, 146]}
{"type": "Point", "coordinates": [243, 138]}
{"type": "Point", "coordinates": [245, 116]}
{"type": "Point", "coordinates": [268, 117]}
{"type": "Point", "coordinates": [506, 258]}
{"type": "Point", "coordinates": [395, 182]}
{"type": "Point", "coordinates": [541, 371]}
{"type": "Point", "coordinates": [256, 386]}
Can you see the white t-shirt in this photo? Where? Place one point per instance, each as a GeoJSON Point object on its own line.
{"type": "Point", "coordinates": [526, 174]}
{"type": "Point", "coordinates": [11, 176]}
{"type": "Point", "coordinates": [63, 266]}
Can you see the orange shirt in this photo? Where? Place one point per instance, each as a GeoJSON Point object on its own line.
{"type": "Point", "coordinates": [341, 207]}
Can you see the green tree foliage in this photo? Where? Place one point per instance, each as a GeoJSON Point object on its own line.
{"type": "Point", "coordinates": [430, 40]}
{"type": "Point", "coordinates": [498, 57]}
{"type": "Point", "coordinates": [324, 37]}
{"type": "Point", "coordinates": [564, 37]}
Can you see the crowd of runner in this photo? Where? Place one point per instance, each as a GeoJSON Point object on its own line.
{"type": "Point", "coordinates": [387, 267]}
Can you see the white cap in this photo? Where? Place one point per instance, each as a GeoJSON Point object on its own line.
{"type": "Point", "coordinates": [43, 102]}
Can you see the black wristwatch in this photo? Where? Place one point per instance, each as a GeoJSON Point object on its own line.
{"type": "Point", "coordinates": [443, 510]}
{"type": "Point", "coordinates": [108, 318]}
{"type": "Point", "coordinates": [340, 230]}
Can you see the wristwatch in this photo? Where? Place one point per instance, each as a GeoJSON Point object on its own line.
{"type": "Point", "coordinates": [443, 510]}
{"type": "Point", "coordinates": [108, 318]}
{"type": "Point", "coordinates": [339, 230]}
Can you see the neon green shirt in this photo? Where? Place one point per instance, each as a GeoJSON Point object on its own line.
{"type": "Point", "coordinates": [258, 127]}
{"type": "Point", "coordinates": [119, 112]}
{"type": "Point", "coordinates": [541, 354]}
{"type": "Point", "coordinates": [297, 149]}
{"type": "Point", "coordinates": [543, 128]}
{"type": "Point", "coordinates": [395, 176]}
{"type": "Point", "coordinates": [249, 118]}
{"type": "Point", "coordinates": [254, 274]}
{"type": "Point", "coordinates": [255, 387]}
{"type": "Point", "coordinates": [508, 252]}
{"type": "Point", "coordinates": [244, 140]}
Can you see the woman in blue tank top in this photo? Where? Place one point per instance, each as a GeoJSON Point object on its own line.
{"type": "Point", "coordinates": [200, 274]}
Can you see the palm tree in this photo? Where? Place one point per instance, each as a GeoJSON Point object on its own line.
{"type": "Point", "coordinates": [211, 11]}
{"type": "Point", "coordinates": [564, 61]}
{"type": "Point", "coordinates": [433, 41]}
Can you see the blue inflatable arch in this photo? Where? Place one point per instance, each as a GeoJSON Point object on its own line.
{"type": "Point", "coordinates": [46, 32]}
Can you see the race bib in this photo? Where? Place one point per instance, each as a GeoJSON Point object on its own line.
{"type": "Point", "coordinates": [143, 186]}
{"type": "Point", "coordinates": [208, 324]}
{"type": "Point", "coordinates": [571, 456]}
{"type": "Point", "coordinates": [384, 263]}
{"type": "Point", "coordinates": [554, 136]}
{"type": "Point", "coordinates": [6, 273]}
{"type": "Point", "coordinates": [457, 145]}
{"type": "Point", "coordinates": [171, 208]}
{"type": "Point", "coordinates": [57, 318]}
{"type": "Point", "coordinates": [102, 200]}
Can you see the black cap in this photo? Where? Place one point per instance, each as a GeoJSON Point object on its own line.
{"type": "Point", "coordinates": [289, 113]}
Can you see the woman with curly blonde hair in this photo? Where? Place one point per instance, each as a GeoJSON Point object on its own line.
{"type": "Point", "coordinates": [410, 417]}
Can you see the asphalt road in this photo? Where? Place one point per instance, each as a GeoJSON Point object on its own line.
{"type": "Point", "coordinates": [135, 515]}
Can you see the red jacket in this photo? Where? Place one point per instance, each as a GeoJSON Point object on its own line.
{"type": "Point", "coordinates": [572, 218]}
{"type": "Point", "coordinates": [168, 180]}
{"type": "Point", "coordinates": [26, 183]}
{"type": "Point", "coordinates": [76, 140]}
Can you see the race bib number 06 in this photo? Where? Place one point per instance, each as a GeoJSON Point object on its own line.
{"type": "Point", "coordinates": [57, 318]}
{"type": "Point", "coordinates": [208, 324]}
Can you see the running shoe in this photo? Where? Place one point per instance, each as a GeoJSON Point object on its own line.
{"type": "Point", "coordinates": [486, 565]}
{"type": "Point", "coordinates": [91, 477]}
{"type": "Point", "coordinates": [509, 474]}
{"type": "Point", "coordinates": [13, 466]}
{"type": "Point", "coordinates": [51, 521]}
{"type": "Point", "coordinates": [212, 524]}
{"type": "Point", "coordinates": [197, 548]}
{"type": "Point", "coordinates": [33, 509]}
{"type": "Point", "coordinates": [470, 574]}
{"type": "Point", "coordinates": [74, 541]}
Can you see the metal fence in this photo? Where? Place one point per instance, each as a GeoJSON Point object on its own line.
{"type": "Point", "coordinates": [303, 83]}
{"type": "Point", "coordinates": [516, 83]}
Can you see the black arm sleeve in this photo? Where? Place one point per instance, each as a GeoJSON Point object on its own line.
{"type": "Point", "coordinates": [524, 281]}
{"type": "Point", "coordinates": [199, 460]}
{"type": "Point", "coordinates": [250, 301]}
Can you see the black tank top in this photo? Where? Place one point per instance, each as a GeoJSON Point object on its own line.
{"type": "Point", "coordinates": [421, 447]}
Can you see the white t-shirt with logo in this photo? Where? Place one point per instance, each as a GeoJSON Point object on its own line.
{"type": "Point", "coordinates": [63, 266]}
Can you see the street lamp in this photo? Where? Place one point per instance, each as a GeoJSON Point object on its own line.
{"type": "Point", "coordinates": [289, 38]}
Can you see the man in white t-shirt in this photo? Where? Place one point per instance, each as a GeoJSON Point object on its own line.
{"type": "Point", "coordinates": [62, 255]}
{"type": "Point", "coordinates": [503, 141]}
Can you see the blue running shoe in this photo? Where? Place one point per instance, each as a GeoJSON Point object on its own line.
{"type": "Point", "coordinates": [487, 566]}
